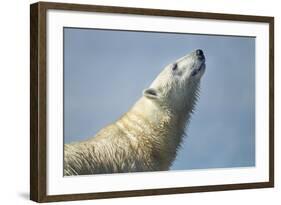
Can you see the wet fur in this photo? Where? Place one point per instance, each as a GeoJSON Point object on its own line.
{"type": "Point", "coordinates": [146, 138]}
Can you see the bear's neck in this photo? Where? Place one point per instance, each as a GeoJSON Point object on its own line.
{"type": "Point", "coordinates": [164, 128]}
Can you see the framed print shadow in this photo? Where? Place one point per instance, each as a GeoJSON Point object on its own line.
{"type": "Point", "coordinates": [135, 102]}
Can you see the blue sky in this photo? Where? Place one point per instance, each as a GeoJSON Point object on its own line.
{"type": "Point", "coordinates": [106, 71]}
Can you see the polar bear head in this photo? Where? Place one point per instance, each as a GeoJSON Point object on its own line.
{"type": "Point", "coordinates": [176, 87]}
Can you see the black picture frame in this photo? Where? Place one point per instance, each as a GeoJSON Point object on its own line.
{"type": "Point", "coordinates": [38, 100]}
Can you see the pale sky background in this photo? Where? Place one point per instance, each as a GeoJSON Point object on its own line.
{"type": "Point", "coordinates": [106, 71]}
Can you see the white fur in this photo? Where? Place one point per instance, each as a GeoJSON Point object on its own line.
{"type": "Point", "coordinates": [147, 137]}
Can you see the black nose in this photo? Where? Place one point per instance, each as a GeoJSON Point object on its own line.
{"type": "Point", "coordinates": [199, 52]}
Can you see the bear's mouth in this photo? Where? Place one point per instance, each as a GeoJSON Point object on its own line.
{"type": "Point", "coordinates": [198, 70]}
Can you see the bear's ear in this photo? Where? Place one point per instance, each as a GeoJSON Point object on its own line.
{"type": "Point", "coordinates": [150, 93]}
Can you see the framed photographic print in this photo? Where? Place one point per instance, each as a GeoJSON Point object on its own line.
{"type": "Point", "coordinates": [134, 102]}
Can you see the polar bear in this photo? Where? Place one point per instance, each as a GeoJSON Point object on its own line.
{"type": "Point", "coordinates": [147, 137]}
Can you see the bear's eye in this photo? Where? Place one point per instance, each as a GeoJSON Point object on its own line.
{"type": "Point", "coordinates": [175, 66]}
